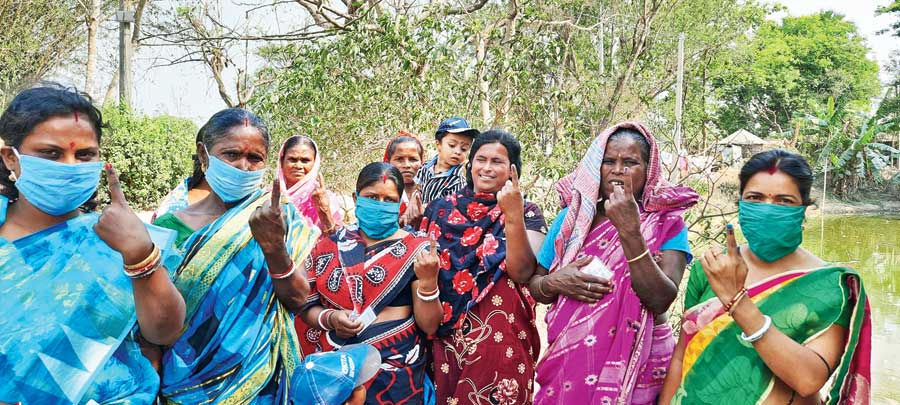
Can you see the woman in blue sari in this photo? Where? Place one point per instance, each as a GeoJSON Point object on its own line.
{"type": "Point", "coordinates": [239, 246]}
{"type": "Point", "coordinates": [67, 333]}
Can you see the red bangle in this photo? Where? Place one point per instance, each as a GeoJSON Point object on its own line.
{"type": "Point", "coordinates": [734, 300]}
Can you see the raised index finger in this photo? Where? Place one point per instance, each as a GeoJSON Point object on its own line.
{"type": "Point", "coordinates": [514, 175]}
{"type": "Point", "coordinates": [116, 195]}
{"type": "Point", "coordinates": [276, 193]}
{"type": "Point", "coordinates": [321, 180]}
{"type": "Point", "coordinates": [730, 241]}
{"type": "Point", "coordinates": [627, 185]}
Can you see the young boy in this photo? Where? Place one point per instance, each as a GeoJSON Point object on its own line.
{"type": "Point", "coordinates": [444, 174]}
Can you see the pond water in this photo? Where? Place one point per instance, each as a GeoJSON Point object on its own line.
{"type": "Point", "coordinates": [871, 245]}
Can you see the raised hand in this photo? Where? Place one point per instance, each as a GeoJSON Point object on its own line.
{"type": "Point", "coordinates": [574, 283]}
{"type": "Point", "coordinates": [322, 200]}
{"type": "Point", "coordinates": [726, 272]}
{"type": "Point", "coordinates": [510, 197]}
{"type": "Point", "coordinates": [343, 326]}
{"type": "Point", "coordinates": [267, 223]}
{"type": "Point", "coordinates": [414, 211]}
{"type": "Point", "coordinates": [622, 209]}
{"type": "Point", "coordinates": [118, 225]}
{"type": "Point", "coordinates": [427, 264]}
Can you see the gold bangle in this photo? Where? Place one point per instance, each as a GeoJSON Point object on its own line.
{"type": "Point", "coordinates": [154, 254]}
{"type": "Point", "coordinates": [640, 256]}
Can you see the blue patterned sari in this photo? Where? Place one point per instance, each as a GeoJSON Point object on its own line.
{"type": "Point", "coordinates": [240, 345]}
{"type": "Point", "coordinates": [68, 323]}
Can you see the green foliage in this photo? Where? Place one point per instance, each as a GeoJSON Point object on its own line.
{"type": "Point", "coordinates": [36, 36]}
{"type": "Point", "coordinates": [786, 67]}
{"type": "Point", "coordinates": [893, 8]}
{"type": "Point", "coordinates": [151, 154]}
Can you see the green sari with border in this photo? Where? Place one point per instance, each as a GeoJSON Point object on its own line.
{"type": "Point", "coordinates": [719, 367]}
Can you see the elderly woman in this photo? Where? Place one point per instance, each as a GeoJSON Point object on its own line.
{"type": "Point", "coordinates": [298, 171]}
{"type": "Point", "coordinates": [487, 344]}
{"type": "Point", "coordinates": [768, 321]}
{"type": "Point", "coordinates": [376, 284]}
{"type": "Point", "coordinates": [238, 276]}
{"type": "Point", "coordinates": [616, 255]}
{"type": "Point", "coordinates": [74, 282]}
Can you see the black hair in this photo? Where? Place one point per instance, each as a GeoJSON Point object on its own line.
{"type": "Point", "coordinates": [218, 127]}
{"type": "Point", "coordinates": [788, 163]}
{"type": "Point", "coordinates": [513, 150]}
{"type": "Point", "coordinates": [635, 136]}
{"type": "Point", "coordinates": [32, 107]}
{"type": "Point", "coordinates": [297, 140]}
{"type": "Point", "coordinates": [399, 140]}
{"type": "Point", "coordinates": [377, 171]}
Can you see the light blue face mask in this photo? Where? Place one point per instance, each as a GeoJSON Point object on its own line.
{"type": "Point", "coordinates": [378, 219]}
{"type": "Point", "coordinates": [230, 183]}
{"type": "Point", "coordinates": [56, 188]}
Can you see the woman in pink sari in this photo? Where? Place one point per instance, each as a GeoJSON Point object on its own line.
{"type": "Point", "coordinates": [298, 172]}
{"type": "Point", "coordinates": [615, 255]}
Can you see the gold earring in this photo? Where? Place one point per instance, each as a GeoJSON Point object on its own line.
{"type": "Point", "coordinates": [12, 177]}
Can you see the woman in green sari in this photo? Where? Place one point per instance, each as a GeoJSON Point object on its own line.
{"type": "Point", "coordinates": [769, 322]}
{"type": "Point", "coordinates": [237, 276]}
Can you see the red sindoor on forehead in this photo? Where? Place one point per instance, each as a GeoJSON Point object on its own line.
{"type": "Point", "coordinates": [246, 121]}
{"type": "Point", "coordinates": [76, 116]}
{"type": "Point", "coordinates": [772, 169]}
{"type": "Point", "coordinates": [384, 178]}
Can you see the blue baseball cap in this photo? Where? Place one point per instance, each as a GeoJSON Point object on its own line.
{"type": "Point", "coordinates": [329, 378]}
{"type": "Point", "coordinates": [456, 125]}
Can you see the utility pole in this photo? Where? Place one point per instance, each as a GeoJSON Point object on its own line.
{"type": "Point", "coordinates": [681, 163]}
{"type": "Point", "coordinates": [125, 17]}
{"type": "Point", "coordinates": [679, 96]}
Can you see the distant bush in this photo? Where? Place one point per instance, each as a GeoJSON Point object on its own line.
{"type": "Point", "coordinates": [151, 154]}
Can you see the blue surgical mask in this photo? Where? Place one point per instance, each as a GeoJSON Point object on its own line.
{"type": "Point", "coordinates": [57, 188]}
{"type": "Point", "coordinates": [378, 219]}
{"type": "Point", "coordinates": [230, 183]}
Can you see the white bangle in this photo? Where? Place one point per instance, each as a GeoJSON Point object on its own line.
{"type": "Point", "coordinates": [322, 312]}
{"type": "Point", "coordinates": [284, 275]}
{"type": "Point", "coordinates": [767, 323]}
{"type": "Point", "coordinates": [428, 298]}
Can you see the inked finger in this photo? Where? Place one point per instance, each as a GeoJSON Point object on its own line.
{"type": "Point", "coordinates": [628, 187]}
{"type": "Point", "coordinates": [276, 193]}
{"type": "Point", "coordinates": [514, 175]}
{"type": "Point", "coordinates": [116, 195]}
{"type": "Point", "coordinates": [730, 241]}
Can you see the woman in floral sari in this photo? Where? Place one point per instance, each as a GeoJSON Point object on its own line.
{"type": "Point", "coordinates": [486, 346]}
{"type": "Point", "coordinates": [769, 322]}
{"type": "Point", "coordinates": [376, 284]}
{"type": "Point", "coordinates": [67, 333]}
{"type": "Point", "coordinates": [298, 171]}
{"type": "Point", "coordinates": [237, 276]}
{"type": "Point", "coordinates": [616, 255]}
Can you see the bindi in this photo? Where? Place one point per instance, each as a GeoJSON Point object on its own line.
{"type": "Point", "coordinates": [72, 145]}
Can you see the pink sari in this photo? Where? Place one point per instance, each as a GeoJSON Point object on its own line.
{"type": "Point", "coordinates": [608, 352]}
{"type": "Point", "coordinates": [301, 192]}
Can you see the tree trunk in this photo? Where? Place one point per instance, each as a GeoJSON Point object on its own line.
{"type": "Point", "coordinates": [92, 22]}
{"type": "Point", "coordinates": [483, 84]}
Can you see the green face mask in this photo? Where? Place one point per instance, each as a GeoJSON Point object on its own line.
{"type": "Point", "coordinates": [772, 231]}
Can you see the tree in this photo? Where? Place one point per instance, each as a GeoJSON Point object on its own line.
{"type": "Point", "coordinates": [893, 8]}
{"type": "Point", "coordinates": [785, 67]}
{"type": "Point", "coordinates": [35, 38]}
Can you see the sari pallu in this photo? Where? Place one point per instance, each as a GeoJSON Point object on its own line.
{"type": "Point", "coordinates": [346, 275]}
{"type": "Point", "coordinates": [239, 345]}
{"type": "Point", "coordinates": [68, 332]}
{"type": "Point", "coordinates": [719, 367]}
{"type": "Point", "coordinates": [601, 353]}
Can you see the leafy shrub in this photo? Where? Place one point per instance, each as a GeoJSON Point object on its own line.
{"type": "Point", "coordinates": [151, 154]}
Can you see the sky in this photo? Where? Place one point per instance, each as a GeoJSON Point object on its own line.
{"type": "Point", "coordinates": [188, 91]}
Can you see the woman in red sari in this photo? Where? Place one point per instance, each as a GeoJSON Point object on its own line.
{"type": "Point", "coordinates": [487, 344]}
{"type": "Point", "coordinates": [376, 284]}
